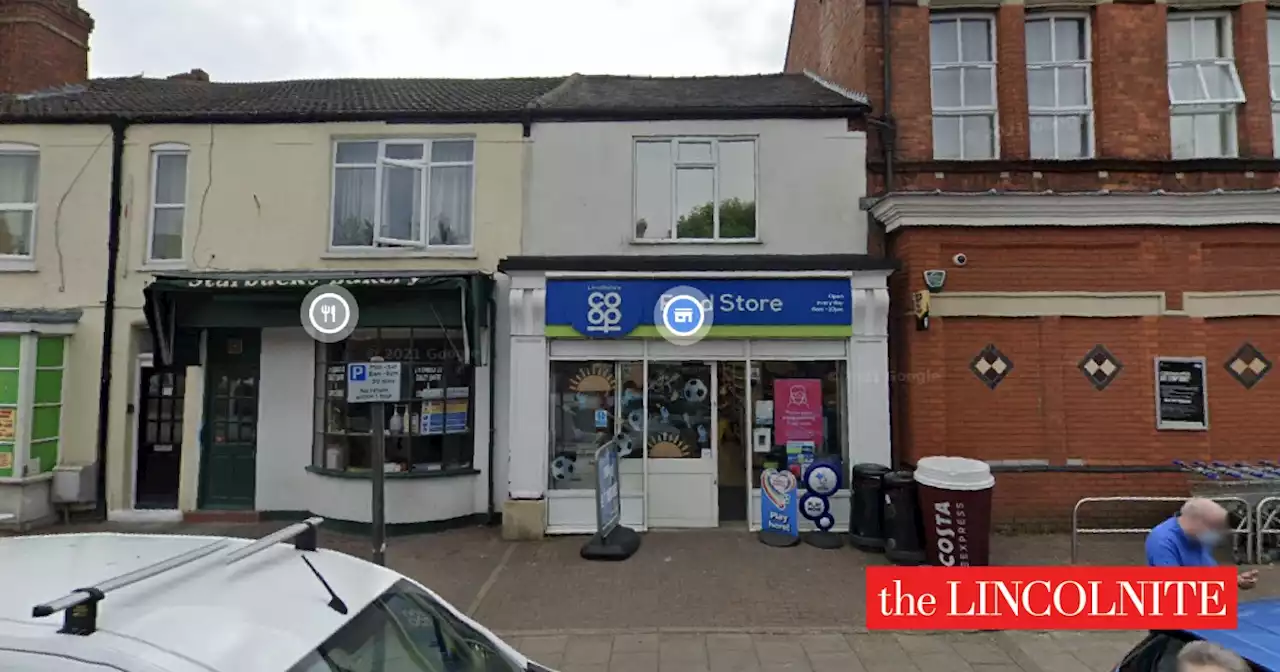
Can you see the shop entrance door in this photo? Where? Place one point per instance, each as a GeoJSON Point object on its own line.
{"type": "Point", "coordinates": [681, 444]}
{"type": "Point", "coordinates": [228, 462]}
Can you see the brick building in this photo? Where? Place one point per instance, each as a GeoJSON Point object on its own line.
{"type": "Point", "coordinates": [43, 44]}
{"type": "Point", "coordinates": [1108, 172]}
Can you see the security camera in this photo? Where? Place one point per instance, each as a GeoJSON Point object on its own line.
{"type": "Point", "coordinates": [960, 259]}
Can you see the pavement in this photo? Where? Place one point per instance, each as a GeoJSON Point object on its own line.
{"type": "Point", "coordinates": [801, 651]}
{"type": "Point", "coordinates": [715, 600]}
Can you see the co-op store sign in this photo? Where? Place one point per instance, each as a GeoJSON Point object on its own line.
{"type": "Point", "coordinates": [615, 308]}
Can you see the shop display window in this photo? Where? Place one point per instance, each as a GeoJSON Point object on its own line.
{"type": "Point", "coordinates": [679, 410]}
{"type": "Point", "coordinates": [433, 432]}
{"type": "Point", "coordinates": [790, 427]}
{"type": "Point", "coordinates": [591, 403]}
{"type": "Point", "coordinates": [31, 377]}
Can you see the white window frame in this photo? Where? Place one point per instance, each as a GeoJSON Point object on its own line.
{"type": "Point", "coordinates": [963, 111]}
{"type": "Point", "coordinates": [1273, 59]}
{"type": "Point", "coordinates": [61, 404]}
{"type": "Point", "coordinates": [29, 336]}
{"type": "Point", "coordinates": [23, 261]}
{"type": "Point", "coordinates": [157, 151]}
{"type": "Point", "coordinates": [1219, 106]}
{"type": "Point", "coordinates": [386, 245]}
{"type": "Point", "coordinates": [1058, 65]}
{"type": "Point", "coordinates": [675, 166]}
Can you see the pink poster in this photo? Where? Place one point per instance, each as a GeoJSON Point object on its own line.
{"type": "Point", "coordinates": [797, 410]}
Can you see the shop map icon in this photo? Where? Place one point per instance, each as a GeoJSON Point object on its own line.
{"type": "Point", "coordinates": [683, 315]}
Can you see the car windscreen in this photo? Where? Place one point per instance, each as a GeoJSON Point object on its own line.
{"type": "Point", "coordinates": [406, 630]}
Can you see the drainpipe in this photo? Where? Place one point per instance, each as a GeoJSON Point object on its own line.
{"type": "Point", "coordinates": [119, 128]}
{"type": "Point", "coordinates": [889, 132]}
{"type": "Point", "coordinates": [888, 148]}
{"type": "Point", "coordinates": [493, 399]}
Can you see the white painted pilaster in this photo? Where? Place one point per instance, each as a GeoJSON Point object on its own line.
{"type": "Point", "coordinates": [869, 436]}
{"type": "Point", "coordinates": [26, 404]}
{"type": "Point", "coordinates": [528, 416]}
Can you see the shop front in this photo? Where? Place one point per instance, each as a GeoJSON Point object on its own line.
{"type": "Point", "coordinates": [275, 433]}
{"type": "Point", "coordinates": [793, 368]}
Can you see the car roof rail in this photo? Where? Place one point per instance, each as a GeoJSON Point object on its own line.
{"type": "Point", "coordinates": [303, 536]}
{"type": "Point", "coordinates": [81, 605]}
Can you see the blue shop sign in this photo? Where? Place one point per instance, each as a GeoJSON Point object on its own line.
{"type": "Point", "coordinates": [744, 308]}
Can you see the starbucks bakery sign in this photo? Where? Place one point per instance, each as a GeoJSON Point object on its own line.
{"type": "Point", "coordinates": [305, 283]}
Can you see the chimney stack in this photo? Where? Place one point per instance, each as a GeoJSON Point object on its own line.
{"type": "Point", "coordinates": [196, 75]}
{"type": "Point", "coordinates": [44, 44]}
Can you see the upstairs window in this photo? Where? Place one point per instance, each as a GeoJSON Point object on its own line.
{"type": "Point", "coordinates": [1204, 87]}
{"type": "Point", "coordinates": [1273, 47]}
{"type": "Point", "coordinates": [963, 76]}
{"type": "Point", "coordinates": [168, 203]}
{"type": "Point", "coordinates": [407, 194]}
{"type": "Point", "coordinates": [695, 189]}
{"type": "Point", "coordinates": [1058, 87]}
{"type": "Point", "coordinates": [19, 166]}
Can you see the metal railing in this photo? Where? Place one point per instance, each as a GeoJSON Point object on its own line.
{"type": "Point", "coordinates": [1266, 523]}
{"type": "Point", "coordinates": [1236, 505]}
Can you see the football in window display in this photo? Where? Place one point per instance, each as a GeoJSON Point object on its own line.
{"type": "Point", "coordinates": [695, 391]}
{"type": "Point", "coordinates": [563, 466]}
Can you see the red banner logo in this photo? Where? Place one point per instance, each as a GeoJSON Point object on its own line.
{"type": "Point", "coordinates": [1051, 598]}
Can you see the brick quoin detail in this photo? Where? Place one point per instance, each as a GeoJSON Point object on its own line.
{"type": "Point", "coordinates": [43, 44]}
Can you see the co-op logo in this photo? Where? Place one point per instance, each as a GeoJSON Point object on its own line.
{"type": "Point", "coordinates": [604, 312]}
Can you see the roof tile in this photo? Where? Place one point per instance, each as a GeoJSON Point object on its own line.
{"type": "Point", "coordinates": [148, 99]}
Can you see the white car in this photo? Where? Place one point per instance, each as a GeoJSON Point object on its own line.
{"type": "Point", "coordinates": [104, 602]}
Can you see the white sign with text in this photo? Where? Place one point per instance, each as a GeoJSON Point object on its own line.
{"type": "Point", "coordinates": [369, 382]}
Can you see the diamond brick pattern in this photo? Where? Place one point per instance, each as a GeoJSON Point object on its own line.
{"type": "Point", "coordinates": [1100, 367]}
{"type": "Point", "coordinates": [1248, 366]}
{"type": "Point", "coordinates": [991, 366]}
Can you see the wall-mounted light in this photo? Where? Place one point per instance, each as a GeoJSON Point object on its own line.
{"type": "Point", "coordinates": [934, 279]}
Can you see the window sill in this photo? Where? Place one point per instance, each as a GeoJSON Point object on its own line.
{"type": "Point", "coordinates": [696, 241]}
{"type": "Point", "coordinates": [160, 266]}
{"type": "Point", "coordinates": [17, 265]}
{"type": "Point", "coordinates": [393, 253]}
{"type": "Point", "coordinates": [443, 473]}
{"type": "Point", "coordinates": [23, 480]}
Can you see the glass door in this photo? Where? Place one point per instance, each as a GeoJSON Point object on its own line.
{"type": "Point", "coordinates": [592, 403]}
{"type": "Point", "coordinates": [680, 439]}
{"type": "Point", "coordinates": [799, 414]}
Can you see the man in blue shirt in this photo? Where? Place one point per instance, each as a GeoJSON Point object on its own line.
{"type": "Point", "coordinates": [1187, 539]}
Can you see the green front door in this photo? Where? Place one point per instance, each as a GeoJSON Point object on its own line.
{"type": "Point", "coordinates": [231, 419]}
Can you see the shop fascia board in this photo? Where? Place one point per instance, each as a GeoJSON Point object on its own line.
{"type": "Point", "coordinates": [899, 211]}
{"type": "Point", "coordinates": [561, 275]}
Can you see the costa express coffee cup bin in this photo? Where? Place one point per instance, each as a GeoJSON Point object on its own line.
{"type": "Point", "coordinates": [955, 507]}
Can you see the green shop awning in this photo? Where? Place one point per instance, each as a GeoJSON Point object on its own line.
{"type": "Point", "coordinates": [180, 305]}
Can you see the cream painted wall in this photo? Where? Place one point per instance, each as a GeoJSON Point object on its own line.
{"type": "Point", "coordinates": [69, 269]}
{"type": "Point", "coordinates": [810, 176]}
{"type": "Point", "coordinates": [258, 199]}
